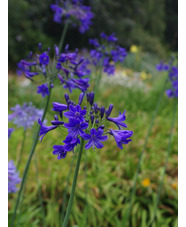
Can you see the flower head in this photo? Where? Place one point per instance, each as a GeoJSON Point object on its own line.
{"type": "Point", "coordinates": [13, 177]}
{"type": "Point", "coordinates": [70, 69]}
{"type": "Point", "coordinates": [73, 12]}
{"type": "Point", "coordinates": [88, 123]}
{"type": "Point", "coordinates": [25, 115]}
{"type": "Point", "coordinates": [172, 76]}
{"type": "Point", "coordinates": [107, 52]}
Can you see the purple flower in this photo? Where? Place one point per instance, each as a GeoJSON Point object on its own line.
{"type": "Point", "coordinates": [71, 69]}
{"type": "Point", "coordinates": [108, 54]}
{"type": "Point", "coordinates": [13, 177]}
{"type": "Point", "coordinates": [82, 84]}
{"type": "Point", "coordinates": [25, 115]}
{"type": "Point", "coordinates": [118, 120]}
{"type": "Point", "coordinates": [86, 123]}
{"type": "Point", "coordinates": [94, 138]}
{"type": "Point", "coordinates": [44, 129]}
{"type": "Point", "coordinates": [59, 107]}
{"type": "Point", "coordinates": [75, 112]}
{"type": "Point", "coordinates": [44, 59]}
{"type": "Point", "coordinates": [60, 151]}
{"type": "Point", "coordinates": [10, 130]}
{"type": "Point", "coordinates": [173, 78]}
{"type": "Point", "coordinates": [159, 67]}
{"type": "Point", "coordinates": [75, 127]}
{"type": "Point", "coordinates": [43, 90]}
{"type": "Point", "coordinates": [121, 137]}
{"type": "Point", "coordinates": [170, 93]}
{"type": "Point", "coordinates": [70, 143]}
{"type": "Point", "coordinates": [77, 12]}
{"type": "Point", "coordinates": [108, 112]}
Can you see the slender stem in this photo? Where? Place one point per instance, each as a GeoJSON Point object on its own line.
{"type": "Point", "coordinates": [21, 151]}
{"type": "Point", "coordinates": [39, 190]}
{"type": "Point", "coordinates": [60, 46]}
{"type": "Point", "coordinates": [166, 162]}
{"type": "Point", "coordinates": [86, 192]}
{"type": "Point", "coordinates": [68, 179]}
{"type": "Point", "coordinates": [141, 156]}
{"type": "Point", "coordinates": [30, 158]}
{"type": "Point", "coordinates": [70, 202]}
{"type": "Point", "coordinates": [98, 79]}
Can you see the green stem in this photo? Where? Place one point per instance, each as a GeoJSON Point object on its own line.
{"type": "Point", "coordinates": [68, 179]}
{"type": "Point", "coordinates": [30, 158]}
{"type": "Point", "coordinates": [70, 202]}
{"type": "Point", "coordinates": [39, 190]}
{"type": "Point", "coordinates": [21, 151]}
{"type": "Point", "coordinates": [166, 162]}
{"type": "Point", "coordinates": [141, 156]}
{"type": "Point", "coordinates": [98, 79]}
{"type": "Point", "coordinates": [60, 46]}
{"type": "Point", "coordinates": [84, 222]}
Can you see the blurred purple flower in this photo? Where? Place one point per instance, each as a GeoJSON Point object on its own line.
{"type": "Point", "coordinates": [13, 177]}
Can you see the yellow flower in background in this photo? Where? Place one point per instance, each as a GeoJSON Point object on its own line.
{"type": "Point", "coordinates": [174, 185]}
{"type": "Point", "coordinates": [144, 75]}
{"type": "Point", "coordinates": [146, 182]}
{"type": "Point", "coordinates": [134, 49]}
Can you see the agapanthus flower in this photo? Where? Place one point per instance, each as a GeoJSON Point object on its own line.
{"type": "Point", "coordinates": [172, 76]}
{"type": "Point", "coordinates": [43, 90]}
{"type": "Point", "coordinates": [94, 138]}
{"type": "Point", "coordinates": [10, 130]}
{"type": "Point", "coordinates": [74, 12]}
{"type": "Point", "coordinates": [75, 112]}
{"type": "Point", "coordinates": [44, 129]}
{"type": "Point", "coordinates": [13, 177]}
{"type": "Point", "coordinates": [88, 122]}
{"type": "Point", "coordinates": [25, 115]}
{"type": "Point", "coordinates": [121, 137]}
{"type": "Point", "coordinates": [106, 52]}
{"type": "Point", "coordinates": [68, 67]}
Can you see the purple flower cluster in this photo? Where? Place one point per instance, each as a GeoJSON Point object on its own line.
{"type": "Point", "coordinates": [74, 12]}
{"type": "Point", "coordinates": [107, 52]}
{"type": "Point", "coordinates": [13, 177]}
{"type": "Point", "coordinates": [25, 115]}
{"type": "Point", "coordinates": [173, 78]}
{"type": "Point", "coordinates": [87, 122]}
{"type": "Point", "coordinates": [71, 70]}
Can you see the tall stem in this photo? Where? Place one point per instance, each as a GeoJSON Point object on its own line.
{"type": "Point", "coordinates": [165, 167]}
{"type": "Point", "coordinates": [60, 46]}
{"type": "Point", "coordinates": [141, 156]}
{"type": "Point", "coordinates": [67, 184]}
{"type": "Point", "coordinates": [70, 202]}
{"type": "Point", "coordinates": [30, 158]}
{"type": "Point", "coordinates": [98, 79]}
{"type": "Point", "coordinates": [39, 190]}
{"type": "Point", "coordinates": [21, 151]}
